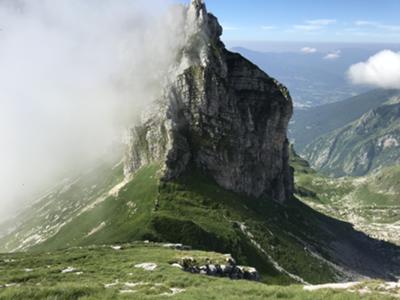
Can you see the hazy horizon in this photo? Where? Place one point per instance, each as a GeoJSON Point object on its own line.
{"type": "Point", "coordinates": [296, 46]}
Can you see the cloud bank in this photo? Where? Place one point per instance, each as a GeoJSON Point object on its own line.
{"type": "Point", "coordinates": [73, 74]}
{"type": "Point", "coordinates": [333, 55]}
{"type": "Point", "coordinates": [314, 25]}
{"type": "Point", "coordinates": [381, 70]}
{"type": "Point", "coordinates": [321, 22]}
{"type": "Point", "coordinates": [378, 25]}
{"type": "Point", "coordinates": [308, 50]}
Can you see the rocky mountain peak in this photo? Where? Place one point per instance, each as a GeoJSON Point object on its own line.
{"type": "Point", "coordinates": [197, 15]}
{"type": "Point", "coordinates": [198, 7]}
{"type": "Point", "coordinates": [220, 114]}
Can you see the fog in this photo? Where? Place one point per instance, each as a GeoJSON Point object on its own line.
{"type": "Point", "coordinates": [73, 75]}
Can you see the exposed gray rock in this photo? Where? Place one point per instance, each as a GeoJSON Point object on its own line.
{"type": "Point", "coordinates": [230, 270]}
{"type": "Point", "coordinates": [219, 113]}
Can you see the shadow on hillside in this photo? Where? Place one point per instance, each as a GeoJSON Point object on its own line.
{"type": "Point", "coordinates": [194, 209]}
{"type": "Point", "coordinates": [350, 249]}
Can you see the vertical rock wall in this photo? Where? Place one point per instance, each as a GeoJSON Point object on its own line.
{"type": "Point", "coordinates": [220, 113]}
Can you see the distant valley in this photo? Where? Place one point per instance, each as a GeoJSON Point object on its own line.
{"type": "Point", "coordinates": [350, 137]}
{"type": "Point", "coordinates": [309, 124]}
{"type": "Point", "coordinates": [353, 147]}
{"type": "Point", "coordinates": [311, 78]}
{"type": "Point", "coordinates": [370, 202]}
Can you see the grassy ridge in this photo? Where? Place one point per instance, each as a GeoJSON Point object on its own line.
{"type": "Point", "coordinates": [58, 206]}
{"type": "Point", "coordinates": [105, 273]}
{"type": "Point", "coordinates": [195, 211]}
{"type": "Point", "coordinates": [287, 244]}
{"type": "Point", "coordinates": [125, 216]}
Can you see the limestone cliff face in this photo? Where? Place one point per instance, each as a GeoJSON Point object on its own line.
{"type": "Point", "coordinates": [219, 113]}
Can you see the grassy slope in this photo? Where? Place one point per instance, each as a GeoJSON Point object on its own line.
{"type": "Point", "coordinates": [280, 241]}
{"type": "Point", "coordinates": [125, 217]}
{"type": "Point", "coordinates": [58, 206]}
{"type": "Point", "coordinates": [213, 216]}
{"type": "Point", "coordinates": [371, 203]}
{"type": "Point", "coordinates": [195, 211]}
{"type": "Point", "coordinates": [39, 276]}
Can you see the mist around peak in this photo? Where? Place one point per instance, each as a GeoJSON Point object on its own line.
{"type": "Point", "coordinates": [73, 75]}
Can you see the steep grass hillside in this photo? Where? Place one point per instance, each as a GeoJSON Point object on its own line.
{"type": "Point", "coordinates": [371, 202]}
{"type": "Point", "coordinates": [58, 206]}
{"type": "Point", "coordinates": [287, 244]}
{"type": "Point", "coordinates": [117, 273]}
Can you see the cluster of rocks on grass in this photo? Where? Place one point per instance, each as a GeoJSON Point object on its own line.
{"type": "Point", "coordinates": [230, 269]}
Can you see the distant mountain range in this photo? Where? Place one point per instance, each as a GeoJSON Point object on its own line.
{"type": "Point", "coordinates": [369, 143]}
{"type": "Point", "coordinates": [351, 137]}
{"type": "Point", "coordinates": [309, 124]}
{"type": "Point", "coordinates": [312, 78]}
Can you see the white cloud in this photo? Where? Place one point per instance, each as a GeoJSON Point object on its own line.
{"type": "Point", "coordinates": [365, 23]}
{"type": "Point", "coordinates": [378, 25]}
{"type": "Point", "coordinates": [314, 25]}
{"type": "Point", "coordinates": [321, 22]}
{"type": "Point", "coordinates": [308, 50]}
{"type": "Point", "coordinates": [307, 27]}
{"type": "Point", "coordinates": [73, 74]}
{"type": "Point", "coordinates": [333, 55]}
{"type": "Point", "coordinates": [395, 28]}
{"type": "Point", "coordinates": [381, 70]}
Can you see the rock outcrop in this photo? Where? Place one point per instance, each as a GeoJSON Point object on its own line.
{"type": "Point", "coordinates": [230, 269]}
{"type": "Point", "coordinates": [219, 113]}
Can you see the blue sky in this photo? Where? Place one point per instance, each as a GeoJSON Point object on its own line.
{"type": "Point", "coordinates": [309, 20]}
